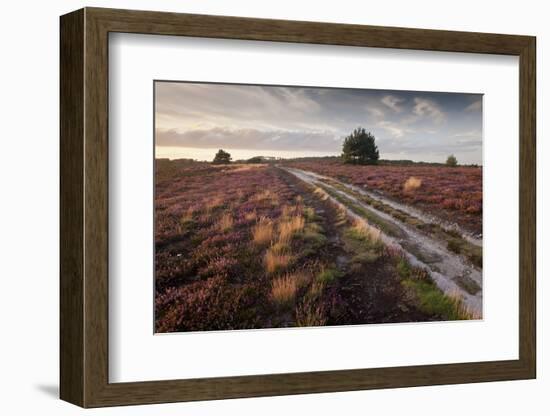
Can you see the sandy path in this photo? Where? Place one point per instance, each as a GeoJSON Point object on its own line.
{"type": "Point", "coordinates": [413, 212]}
{"type": "Point", "coordinates": [449, 271]}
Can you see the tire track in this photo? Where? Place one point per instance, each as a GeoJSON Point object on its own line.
{"type": "Point", "coordinates": [448, 270]}
{"type": "Point", "coordinates": [426, 218]}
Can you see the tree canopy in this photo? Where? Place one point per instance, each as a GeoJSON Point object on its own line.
{"type": "Point", "coordinates": [360, 148]}
{"type": "Point", "coordinates": [222, 157]}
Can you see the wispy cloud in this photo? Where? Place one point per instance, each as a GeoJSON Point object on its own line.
{"type": "Point", "coordinates": [392, 102]}
{"type": "Point", "coordinates": [475, 106]}
{"type": "Point", "coordinates": [428, 108]}
{"type": "Point", "coordinates": [396, 130]}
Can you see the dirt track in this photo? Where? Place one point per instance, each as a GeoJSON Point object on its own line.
{"type": "Point", "coordinates": [451, 272]}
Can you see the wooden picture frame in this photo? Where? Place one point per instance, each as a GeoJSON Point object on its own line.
{"type": "Point", "coordinates": [84, 207]}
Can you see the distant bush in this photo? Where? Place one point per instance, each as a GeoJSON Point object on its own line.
{"type": "Point", "coordinates": [451, 161]}
{"type": "Point", "coordinates": [222, 157]}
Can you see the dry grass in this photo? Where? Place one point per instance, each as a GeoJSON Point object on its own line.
{"type": "Point", "coordinates": [188, 216]}
{"type": "Point", "coordinates": [289, 227]}
{"type": "Point", "coordinates": [363, 230]}
{"type": "Point", "coordinates": [462, 310]}
{"type": "Point", "coordinates": [310, 314]}
{"type": "Point", "coordinates": [412, 184]}
{"type": "Point", "coordinates": [225, 223]}
{"type": "Point", "coordinates": [321, 193]}
{"type": "Point", "coordinates": [244, 168]}
{"type": "Point", "coordinates": [275, 262]}
{"type": "Point", "coordinates": [279, 248]}
{"type": "Point", "coordinates": [315, 290]}
{"type": "Point", "coordinates": [288, 210]}
{"type": "Point", "coordinates": [251, 216]}
{"type": "Point", "coordinates": [283, 290]}
{"type": "Point", "coordinates": [262, 232]}
{"type": "Point", "coordinates": [213, 203]}
{"type": "Point", "coordinates": [302, 279]}
{"type": "Point", "coordinates": [266, 195]}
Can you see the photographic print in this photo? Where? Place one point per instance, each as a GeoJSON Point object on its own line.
{"type": "Point", "coordinates": [289, 206]}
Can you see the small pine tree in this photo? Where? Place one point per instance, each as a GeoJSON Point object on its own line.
{"type": "Point", "coordinates": [451, 161]}
{"type": "Point", "coordinates": [222, 157]}
{"type": "Point", "coordinates": [360, 148]}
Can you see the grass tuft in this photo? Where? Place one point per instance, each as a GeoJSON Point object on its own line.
{"type": "Point", "coordinates": [262, 232]}
{"type": "Point", "coordinates": [225, 223]}
{"type": "Point", "coordinates": [309, 313]}
{"type": "Point", "coordinates": [283, 290]}
{"type": "Point", "coordinates": [276, 262]}
{"type": "Point", "coordinates": [289, 227]}
{"type": "Point", "coordinates": [412, 184]}
{"type": "Point", "coordinates": [364, 232]}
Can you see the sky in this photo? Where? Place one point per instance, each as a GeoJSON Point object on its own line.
{"type": "Point", "coordinates": [193, 120]}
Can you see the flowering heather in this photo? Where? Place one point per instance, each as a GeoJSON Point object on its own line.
{"type": "Point", "coordinates": [224, 235]}
{"type": "Point", "coordinates": [243, 247]}
{"type": "Point", "coordinates": [453, 194]}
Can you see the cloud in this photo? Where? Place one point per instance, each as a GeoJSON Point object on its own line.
{"type": "Point", "coordinates": [220, 137]}
{"type": "Point", "coordinates": [394, 129]}
{"type": "Point", "coordinates": [468, 137]}
{"type": "Point", "coordinates": [428, 108]}
{"type": "Point", "coordinates": [392, 102]}
{"type": "Point", "coordinates": [255, 117]}
{"type": "Point", "coordinates": [375, 112]}
{"type": "Point", "coordinates": [475, 106]}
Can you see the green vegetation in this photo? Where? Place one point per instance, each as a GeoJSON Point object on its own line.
{"type": "Point", "coordinates": [359, 148]}
{"type": "Point", "coordinates": [328, 275]}
{"type": "Point", "coordinates": [366, 257]}
{"type": "Point", "coordinates": [222, 158]}
{"type": "Point", "coordinates": [451, 161]}
{"type": "Point", "coordinates": [255, 159]}
{"type": "Point", "coordinates": [432, 301]}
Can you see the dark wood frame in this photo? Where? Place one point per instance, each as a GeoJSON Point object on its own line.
{"type": "Point", "coordinates": [84, 208]}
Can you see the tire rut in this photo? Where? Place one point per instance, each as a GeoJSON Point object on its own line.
{"type": "Point", "coordinates": [448, 270]}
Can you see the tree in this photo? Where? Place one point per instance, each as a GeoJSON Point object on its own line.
{"type": "Point", "coordinates": [451, 161]}
{"type": "Point", "coordinates": [221, 158]}
{"type": "Point", "coordinates": [359, 148]}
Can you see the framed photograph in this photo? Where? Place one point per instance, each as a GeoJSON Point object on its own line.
{"type": "Point", "coordinates": [255, 207]}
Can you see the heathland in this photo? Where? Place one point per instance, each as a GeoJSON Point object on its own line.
{"type": "Point", "coordinates": [315, 242]}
